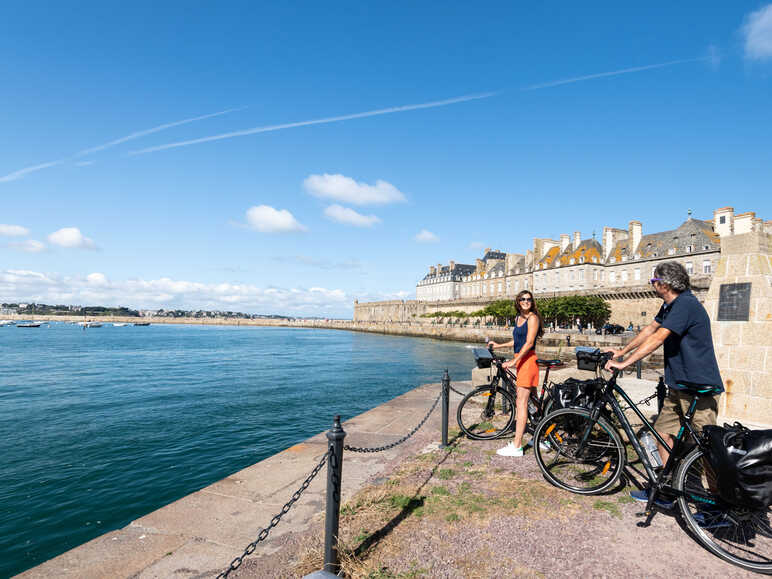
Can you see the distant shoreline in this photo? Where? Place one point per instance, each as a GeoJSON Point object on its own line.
{"type": "Point", "coordinates": [552, 344]}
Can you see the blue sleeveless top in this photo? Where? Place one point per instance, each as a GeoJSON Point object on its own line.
{"type": "Point", "coordinates": [520, 335]}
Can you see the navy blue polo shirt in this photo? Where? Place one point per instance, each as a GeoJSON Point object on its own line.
{"type": "Point", "coordinates": [690, 360]}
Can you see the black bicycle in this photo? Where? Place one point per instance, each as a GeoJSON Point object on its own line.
{"type": "Point", "coordinates": [488, 411]}
{"type": "Point", "coordinates": [591, 457]}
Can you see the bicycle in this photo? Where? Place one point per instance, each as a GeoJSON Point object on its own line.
{"type": "Point", "coordinates": [591, 457]}
{"type": "Point", "coordinates": [488, 411]}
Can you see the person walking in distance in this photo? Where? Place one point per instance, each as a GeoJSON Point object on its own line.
{"type": "Point", "coordinates": [527, 329]}
{"type": "Point", "coordinates": [683, 326]}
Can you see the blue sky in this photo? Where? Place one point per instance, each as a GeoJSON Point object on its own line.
{"type": "Point", "coordinates": [253, 208]}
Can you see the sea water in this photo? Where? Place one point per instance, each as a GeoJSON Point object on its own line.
{"type": "Point", "coordinates": [101, 426]}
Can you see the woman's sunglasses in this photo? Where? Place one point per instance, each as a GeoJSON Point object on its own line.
{"type": "Point", "coordinates": [525, 300]}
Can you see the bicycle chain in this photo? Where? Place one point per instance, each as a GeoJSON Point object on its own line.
{"type": "Point", "coordinates": [261, 536]}
{"type": "Point", "coordinates": [401, 440]}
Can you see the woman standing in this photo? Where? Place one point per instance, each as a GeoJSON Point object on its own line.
{"type": "Point", "coordinates": [527, 329]}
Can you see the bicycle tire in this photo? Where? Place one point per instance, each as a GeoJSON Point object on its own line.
{"type": "Point", "coordinates": [486, 413]}
{"type": "Point", "coordinates": [741, 537]}
{"type": "Point", "coordinates": [603, 457]}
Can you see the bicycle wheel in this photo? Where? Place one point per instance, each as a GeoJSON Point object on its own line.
{"type": "Point", "coordinates": [739, 536]}
{"type": "Point", "coordinates": [485, 413]}
{"type": "Point", "coordinates": [584, 468]}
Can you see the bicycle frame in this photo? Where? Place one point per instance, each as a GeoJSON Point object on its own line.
{"type": "Point", "coordinates": [675, 453]}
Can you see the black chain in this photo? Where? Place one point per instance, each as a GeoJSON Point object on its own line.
{"type": "Point", "coordinates": [401, 440]}
{"type": "Point", "coordinates": [236, 563]}
{"type": "Point", "coordinates": [456, 391]}
{"type": "Point", "coordinates": [646, 401]}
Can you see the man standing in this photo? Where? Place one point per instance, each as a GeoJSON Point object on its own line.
{"type": "Point", "coordinates": [682, 324]}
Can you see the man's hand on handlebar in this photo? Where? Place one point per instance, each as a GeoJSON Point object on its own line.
{"type": "Point", "coordinates": [491, 344]}
{"type": "Point", "coordinates": [614, 365]}
{"type": "Point", "coordinates": [615, 353]}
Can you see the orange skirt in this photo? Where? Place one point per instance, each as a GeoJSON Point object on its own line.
{"type": "Point", "coordinates": [528, 371]}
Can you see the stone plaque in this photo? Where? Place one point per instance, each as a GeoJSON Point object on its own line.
{"type": "Point", "coordinates": [734, 302]}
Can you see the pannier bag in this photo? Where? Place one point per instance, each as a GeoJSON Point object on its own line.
{"type": "Point", "coordinates": [742, 461]}
{"type": "Point", "coordinates": [482, 357]}
{"type": "Point", "coordinates": [573, 392]}
{"type": "Point", "coordinates": [587, 358]}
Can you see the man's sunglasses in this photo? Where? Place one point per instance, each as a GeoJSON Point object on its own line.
{"type": "Point", "coordinates": [652, 280]}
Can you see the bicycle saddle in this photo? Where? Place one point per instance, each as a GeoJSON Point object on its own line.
{"type": "Point", "coordinates": [551, 363]}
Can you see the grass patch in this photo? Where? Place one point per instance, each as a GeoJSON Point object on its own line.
{"type": "Point", "coordinates": [611, 508]}
{"type": "Point", "coordinates": [452, 517]}
{"type": "Point", "coordinates": [446, 473]}
{"type": "Point", "coordinates": [625, 498]}
{"type": "Point", "coordinates": [440, 490]}
{"type": "Point", "coordinates": [467, 463]}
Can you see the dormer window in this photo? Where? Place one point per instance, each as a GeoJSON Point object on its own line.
{"type": "Point", "coordinates": [706, 247]}
{"type": "Point", "coordinates": [581, 260]}
{"type": "Point", "coordinates": [671, 251]}
{"type": "Point", "coordinates": [689, 248]}
{"type": "Point", "coordinates": [624, 258]}
{"type": "Point", "coordinates": [571, 261]}
{"type": "Point", "coordinates": [612, 260]}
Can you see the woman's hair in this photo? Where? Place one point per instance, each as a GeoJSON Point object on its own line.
{"type": "Point", "coordinates": [673, 274]}
{"type": "Point", "coordinates": [534, 310]}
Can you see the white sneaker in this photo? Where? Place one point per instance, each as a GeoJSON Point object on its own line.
{"type": "Point", "coordinates": [510, 450]}
{"type": "Point", "coordinates": [543, 445]}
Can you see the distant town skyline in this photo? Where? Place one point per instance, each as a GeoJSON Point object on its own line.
{"type": "Point", "coordinates": [288, 160]}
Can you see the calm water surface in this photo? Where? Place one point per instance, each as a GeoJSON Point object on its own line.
{"type": "Point", "coordinates": [99, 427]}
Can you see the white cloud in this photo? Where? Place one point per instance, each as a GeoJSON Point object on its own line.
{"type": "Point", "coordinates": [350, 217]}
{"type": "Point", "coordinates": [425, 236]}
{"type": "Point", "coordinates": [167, 293]}
{"type": "Point", "coordinates": [71, 237]}
{"type": "Point", "coordinates": [342, 188]}
{"type": "Point", "coordinates": [28, 245]}
{"type": "Point", "coordinates": [758, 34]}
{"type": "Point", "coordinates": [266, 219]}
{"type": "Point", "coordinates": [13, 230]}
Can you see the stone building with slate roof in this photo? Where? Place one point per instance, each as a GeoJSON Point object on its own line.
{"type": "Point", "coordinates": [617, 267]}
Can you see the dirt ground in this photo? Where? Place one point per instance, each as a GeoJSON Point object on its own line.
{"type": "Point", "coordinates": [466, 512]}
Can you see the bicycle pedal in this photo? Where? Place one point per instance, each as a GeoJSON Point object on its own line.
{"type": "Point", "coordinates": [643, 524]}
{"type": "Point", "coordinates": [641, 514]}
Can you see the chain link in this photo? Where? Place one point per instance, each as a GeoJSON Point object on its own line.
{"type": "Point", "coordinates": [456, 391]}
{"type": "Point", "coordinates": [263, 534]}
{"type": "Point", "coordinates": [401, 440]}
{"type": "Point", "coordinates": [646, 401]}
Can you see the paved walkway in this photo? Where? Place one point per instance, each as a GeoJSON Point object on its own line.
{"type": "Point", "coordinates": [198, 535]}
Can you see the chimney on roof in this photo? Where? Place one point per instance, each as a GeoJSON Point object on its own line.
{"type": "Point", "coordinates": [487, 249]}
{"type": "Point", "coordinates": [432, 270]}
{"type": "Point", "coordinates": [723, 221]}
{"type": "Point", "coordinates": [439, 268]}
{"type": "Point", "coordinates": [565, 241]}
{"type": "Point", "coordinates": [634, 230]}
{"type": "Point", "coordinates": [478, 265]}
{"type": "Point", "coordinates": [452, 264]}
{"type": "Point", "coordinates": [577, 238]}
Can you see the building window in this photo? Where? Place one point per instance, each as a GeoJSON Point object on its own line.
{"type": "Point", "coordinates": [500, 287]}
{"type": "Point", "coordinates": [637, 274]}
{"type": "Point", "coordinates": [612, 277]}
{"type": "Point", "coordinates": [706, 266]}
{"type": "Point", "coordinates": [722, 219]}
{"type": "Point", "coordinates": [581, 275]}
{"type": "Point", "coordinates": [595, 275]}
{"type": "Point", "coordinates": [689, 267]}
{"type": "Point", "coordinates": [671, 251]}
{"type": "Point", "coordinates": [624, 275]}
{"type": "Point", "coordinates": [689, 248]}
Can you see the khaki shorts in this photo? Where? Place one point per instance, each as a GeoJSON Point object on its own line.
{"type": "Point", "coordinates": [677, 403]}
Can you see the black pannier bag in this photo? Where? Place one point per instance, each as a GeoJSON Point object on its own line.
{"type": "Point", "coordinates": [483, 357]}
{"type": "Point", "coordinates": [742, 461]}
{"type": "Point", "coordinates": [587, 358]}
{"type": "Point", "coordinates": [573, 392]}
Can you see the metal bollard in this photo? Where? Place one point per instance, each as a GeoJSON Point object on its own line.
{"type": "Point", "coordinates": [335, 438]}
{"type": "Point", "coordinates": [638, 368]}
{"type": "Point", "coordinates": [445, 404]}
{"type": "Point", "coordinates": [661, 393]}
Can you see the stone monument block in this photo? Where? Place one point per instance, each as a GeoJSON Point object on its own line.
{"type": "Point", "coordinates": [739, 303]}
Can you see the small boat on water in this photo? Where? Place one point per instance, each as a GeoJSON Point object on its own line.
{"type": "Point", "coordinates": [90, 324]}
{"type": "Point", "coordinates": [141, 323]}
{"type": "Point", "coordinates": [7, 322]}
{"type": "Point", "coordinates": [28, 325]}
{"type": "Point", "coordinates": [120, 324]}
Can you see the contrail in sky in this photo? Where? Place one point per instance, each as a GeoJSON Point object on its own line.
{"type": "Point", "coordinates": [157, 129]}
{"type": "Point", "coordinates": [611, 73]}
{"type": "Point", "coordinates": [21, 172]}
{"type": "Point", "coordinates": [323, 121]}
